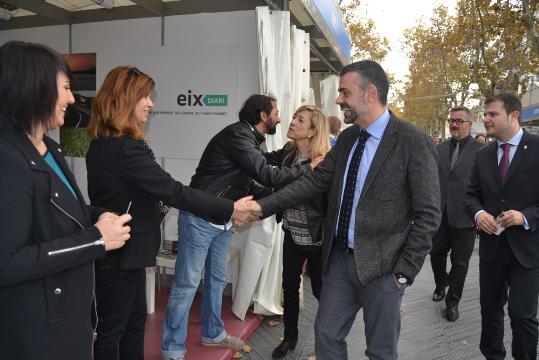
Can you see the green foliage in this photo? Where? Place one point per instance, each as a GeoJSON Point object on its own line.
{"type": "Point", "coordinates": [74, 141]}
{"type": "Point", "coordinates": [529, 9]}
{"type": "Point", "coordinates": [366, 42]}
{"type": "Point", "coordinates": [484, 49]}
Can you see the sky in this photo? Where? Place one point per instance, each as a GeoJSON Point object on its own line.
{"type": "Point", "coordinates": [392, 17]}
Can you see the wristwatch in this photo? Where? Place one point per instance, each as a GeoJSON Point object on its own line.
{"type": "Point", "coordinates": [401, 279]}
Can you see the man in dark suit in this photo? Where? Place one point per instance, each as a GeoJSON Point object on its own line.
{"type": "Point", "coordinates": [503, 197]}
{"type": "Point", "coordinates": [456, 233]}
{"type": "Point", "coordinates": [381, 180]}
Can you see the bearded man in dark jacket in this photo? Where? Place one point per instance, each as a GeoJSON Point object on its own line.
{"type": "Point", "coordinates": [232, 166]}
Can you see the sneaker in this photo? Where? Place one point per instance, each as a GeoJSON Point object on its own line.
{"type": "Point", "coordinates": [230, 341]}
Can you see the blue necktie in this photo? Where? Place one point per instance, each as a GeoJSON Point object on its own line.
{"type": "Point", "coordinates": [341, 236]}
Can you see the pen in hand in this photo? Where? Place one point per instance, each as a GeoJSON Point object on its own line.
{"type": "Point", "coordinates": [128, 208]}
{"type": "Point", "coordinates": [115, 215]}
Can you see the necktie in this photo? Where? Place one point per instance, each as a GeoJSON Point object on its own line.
{"type": "Point", "coordinates": [504, 161]}
{"type": "Point", "coordinates": [341, 236]}
{"type": "Point", "coordinates": [455, 156]}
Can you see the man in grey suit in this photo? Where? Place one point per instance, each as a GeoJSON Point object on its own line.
{"type": "Point", "coordinates": [381, 180]}
{"type": "Point", "coordinates": [456, 233]}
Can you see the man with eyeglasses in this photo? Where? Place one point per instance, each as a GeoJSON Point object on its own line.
{"type": "Point", "coordinates": [456, 234]}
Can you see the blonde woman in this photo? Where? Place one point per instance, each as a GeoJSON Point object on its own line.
{"type": "Point", "coordinates": [302, 224]}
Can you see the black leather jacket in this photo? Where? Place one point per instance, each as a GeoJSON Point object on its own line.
{"type": "Point", "coordinates": [233, 159]}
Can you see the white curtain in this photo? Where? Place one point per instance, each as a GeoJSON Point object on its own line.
{"type": "Point", "coordinates": [328, 94]}
{"type": "Point", "coordinates": [312, 97]}
{"type": "Point", "coordinates": [301, 67]}
{"type": "Point", "coordinates": [260, 276]}
{"type": "Point", "coordinates": [284, 73]}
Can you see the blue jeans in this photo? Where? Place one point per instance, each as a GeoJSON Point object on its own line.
{"type": "Point", "coordinates": [200, 246]}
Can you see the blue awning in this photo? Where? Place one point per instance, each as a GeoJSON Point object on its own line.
{"type": "Point", "coordinates": [328, 18]}
{"type": "Point", "coordinates": [530, 113]}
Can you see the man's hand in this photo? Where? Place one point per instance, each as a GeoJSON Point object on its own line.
{"type": "Point", "coordinates": [242, 215]}
{"type": "Point", "coordinates": [254, 207]}
{"type": "Point", "coordinates": [510, 218]}
{"type": "Point", "coordinates": [486, 223]}
{"type": "Point", "coordinates": [397, 282]}
{"type": "Point", "coordinates": [114, 231]}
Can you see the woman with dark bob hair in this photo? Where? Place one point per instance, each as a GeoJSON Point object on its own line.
{"type": "Point", "coordinates": [50, 237]}
{"type": "Point", "coordinates": [122, 171]}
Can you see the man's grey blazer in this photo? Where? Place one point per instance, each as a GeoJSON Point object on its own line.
{"type": "Point", "coordinates": [453, 184]}
{"type": "Point", "coordinates": [399, 206]}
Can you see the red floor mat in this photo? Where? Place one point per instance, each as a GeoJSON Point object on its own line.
{"type": "Point", "coordinates": [195, 351]}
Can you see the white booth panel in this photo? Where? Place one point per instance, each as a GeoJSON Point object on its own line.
{"type": "Point", "coordinates": [195, 95]}
{"type": "Point", "coordinates": [237, 27]}
{"type": "Point", "coordinates": [180, 169]}
{"type": "Point", "coordinates": [115, 42]}
{"type": "Point", "coordinates": [55, 37]}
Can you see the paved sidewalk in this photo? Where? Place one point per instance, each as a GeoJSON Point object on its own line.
{"type": "Point", "coordinates": [425, 334]}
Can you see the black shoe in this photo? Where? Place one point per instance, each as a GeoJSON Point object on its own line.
{"type": "Point", "coordinates": [284, 347]}
{"type": "Point", "coordinates": [439, 294]}
{"type": "Point", "coordinates": [452, 312]}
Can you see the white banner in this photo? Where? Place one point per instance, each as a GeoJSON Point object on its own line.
{"type": "Point", "coordinates": [195, 96]}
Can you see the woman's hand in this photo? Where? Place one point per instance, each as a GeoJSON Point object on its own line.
{"type": "Point", "coordinates": [108, 216]}
{"type": "Point", "coordinates": [114, 230]}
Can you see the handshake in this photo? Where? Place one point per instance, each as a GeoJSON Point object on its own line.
{"type": "Point", "coordinates": [246, 211]}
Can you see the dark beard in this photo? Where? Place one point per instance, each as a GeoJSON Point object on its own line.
{"type": "Point", "coordinates": [272, 130]}
{"type": "Point", "coordinates": [353, 116]}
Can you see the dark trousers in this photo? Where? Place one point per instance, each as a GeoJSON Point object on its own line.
{"type": "Point", "coordinates": [501, 281]}
{"type": "Point", "coordinates": [121, 312]}
{"type": "Point", "coordinates": [293, 258]}
{"type": "Point", "coordinates": [342, 297]}
{"type": "Point", "coordinates": [460, 242]}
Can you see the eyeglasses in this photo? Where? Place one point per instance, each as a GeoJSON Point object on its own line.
{"type": "Point", "coordinates": [456, 121]}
